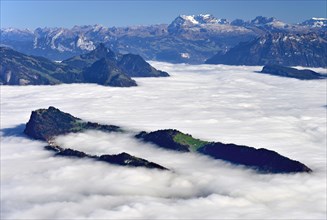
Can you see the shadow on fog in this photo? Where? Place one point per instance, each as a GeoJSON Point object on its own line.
{"type": "Point", "coordinates": [17, 131]}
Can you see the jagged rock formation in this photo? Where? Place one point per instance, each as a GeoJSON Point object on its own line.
{"type": "Point", "coordinates": [45, 124]}
{"type": "Point", "coordinates": [284, 71]}
{"type": "Point", "coordinates": [263, 160]}
{"type": "Point", "coordinates": [283, 49]}
{"type": "Point", "coordinates": [122, 159]}
{"type": "Point", "coordinates": [101, 66]}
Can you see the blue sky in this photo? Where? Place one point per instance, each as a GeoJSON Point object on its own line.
{"type": "Point", "coordinates": [32, 14]}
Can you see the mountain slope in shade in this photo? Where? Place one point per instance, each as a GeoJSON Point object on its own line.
{"type": "Point", "coordinates": [284, 49]}
{"type": "Point", "coordinates": [263, 160]}
{"type": "Point", "coordinates": [101, 66]}
{"type": "Point", "coordinates": [130, 64]}
{"type": "Point", "coordinates": [106, 72]}
{"type": "Point", "coordinates": [20, 69]}
{"type": "Point", "coordinates": [87, 59]}
{"type": "Point", "coordinates": [136, 66]}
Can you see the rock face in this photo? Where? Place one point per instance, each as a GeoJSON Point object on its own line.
{"type": "Point", "coordinates": [283, 71]}
{"type": "Point", "coordinates": [101, 66]}
{"type": "Point", "coordinates": [122, 159]}
{"type": "Point", "coordinates": [45, 124]}
{"type": "Point", "coordinates": [263, 160]}
{"type": "Point", "coordinates": [283, 49]}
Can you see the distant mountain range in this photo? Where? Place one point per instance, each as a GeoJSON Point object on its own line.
{"type": "Point", "coordinates": [101, 66]}
{"type": "Point", "coordinates": [288, 49]}
{"type": "Point", "coordinates": [189, 38]}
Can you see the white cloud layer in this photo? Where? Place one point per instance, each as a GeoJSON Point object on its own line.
{"type": "Point", "coordinates": [218, 103]}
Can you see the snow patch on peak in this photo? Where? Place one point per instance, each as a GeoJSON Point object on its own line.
{"type": "Point", "coordinates": [197, 19]}
{"type": "Point", "coordinates": [185, 55]}
{"type": "Point", "coordinates": [53, 46]}
{"type": "Point", "coordinates": [85, 44]}
{"type": "Point", "coordinates": [315, 22]}
{"type": "Point", "coordinates": [190, 18]}
{"type": "Point", "coordinates": [205, 15]}
{"type": "Point", "coordinates": [319, 19]}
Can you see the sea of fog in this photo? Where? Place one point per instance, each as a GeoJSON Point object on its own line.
{"type": "Point", "coordinates": [231, 104]}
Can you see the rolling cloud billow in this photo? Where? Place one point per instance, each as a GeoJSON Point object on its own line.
{"type": "Point", "coordinates": [215, 103]}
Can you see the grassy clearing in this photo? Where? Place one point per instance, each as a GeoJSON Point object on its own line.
{"type": "Point", "coordinates": [188, 140]}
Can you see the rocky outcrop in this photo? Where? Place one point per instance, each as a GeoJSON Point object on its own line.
{"type": "Point", "coordinates": [45, 124]}
{"type": "Point", "coordinates": [122, 159]}
{"type": "Point", "coordinates": [284, 71]}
